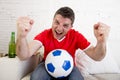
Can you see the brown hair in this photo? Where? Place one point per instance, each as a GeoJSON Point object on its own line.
{"type": "Point", "coordinates": [66, 12]}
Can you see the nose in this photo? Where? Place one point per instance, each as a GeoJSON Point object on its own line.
{"type": "Point", "coordinates": [59, 29]}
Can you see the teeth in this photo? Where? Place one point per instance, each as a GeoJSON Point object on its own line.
{"type": "Point", "coordinates": [59, 33]}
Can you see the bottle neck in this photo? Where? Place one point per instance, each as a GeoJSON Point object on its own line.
{"type": "Point", "coordinates": [13, 37]}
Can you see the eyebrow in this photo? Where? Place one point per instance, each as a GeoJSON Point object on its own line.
{"type": "Point", "coordinates": [66, 24]}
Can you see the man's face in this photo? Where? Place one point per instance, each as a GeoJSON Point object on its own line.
{"type": "Point", "coordinates": [60, 26]}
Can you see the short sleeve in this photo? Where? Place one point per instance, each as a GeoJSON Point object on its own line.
{"type": "Point", "coordinates": [41, 36]}
{"type": "Point", "coordinates": [82, 42]}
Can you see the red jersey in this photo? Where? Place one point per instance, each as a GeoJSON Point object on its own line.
{"type": "Point", "coordinates": [72, 41]}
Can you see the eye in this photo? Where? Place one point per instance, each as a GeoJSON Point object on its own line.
{"type": "Point", "coordinates": [66, 25]}
{"type": "Point", "coordinates": [56, 22]}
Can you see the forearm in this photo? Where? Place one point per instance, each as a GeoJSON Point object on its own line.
{"type": "Point", "coordinates": [22, 48]}
{"type": "Point", "coordinates": [99, 51]}
{"type": "Point", "coordinates": [24, 25]}
{"type": "Point", "coordinates": [101, 32]}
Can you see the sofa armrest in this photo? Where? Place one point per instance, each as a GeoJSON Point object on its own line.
{"type": "Point", "coordinates": [14, 68]}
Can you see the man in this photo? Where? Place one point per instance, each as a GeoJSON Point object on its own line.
{"type": "Point", "coordinates": [60, 36]}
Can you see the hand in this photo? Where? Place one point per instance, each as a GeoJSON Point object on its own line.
{"type": "Point", "coordinates": [24, 25]}
{"type": "Point", "coordinates": [101, 31]}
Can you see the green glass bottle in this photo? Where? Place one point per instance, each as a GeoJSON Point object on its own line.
{"type": "Point", "coordinates": [12, 46]}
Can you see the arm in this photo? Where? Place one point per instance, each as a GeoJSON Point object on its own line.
{"type": "Point", "coordinates": [23, 49]}
{"type": "Point", "coordinates": [101, 32]}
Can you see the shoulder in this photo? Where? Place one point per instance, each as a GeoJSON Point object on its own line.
{"type": "Point", "coordinates": [46, 31]}
{"type": "Point", "coordinates": [43, 34]}
{"type": "Point", "coordinates": [74, 32]}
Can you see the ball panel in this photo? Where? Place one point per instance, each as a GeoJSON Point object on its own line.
{"type": "Point", "coordinates": [50, 67]}
{"type": "Point", "coordinates": [66, 65]}
{"type": "Point", "coordinates": [57, 53]}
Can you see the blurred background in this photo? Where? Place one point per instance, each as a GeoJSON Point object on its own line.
{"type": "Point", "coordinates": [87, 13]}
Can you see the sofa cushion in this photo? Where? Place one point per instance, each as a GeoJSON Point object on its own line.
{"type": "Point", "coordinates": [27, 77]}
{"type": "Point", "coordinates": [108, 76]}
{"type": "Point", "coordinates": [88, 66]}
{"type": "Point", "coordinates": [91, 77]}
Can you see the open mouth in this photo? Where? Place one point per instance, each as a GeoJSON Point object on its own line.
{"type": "Point", "coordinates": [58, 33]}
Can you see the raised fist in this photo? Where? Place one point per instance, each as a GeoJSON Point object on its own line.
{"type": "Point", "coordinates": [24, 25]}
{"type": "Point", "coordinates": [101, 31]}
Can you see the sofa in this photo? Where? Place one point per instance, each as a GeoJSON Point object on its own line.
{"type": "Point", "coordinates": [107, 69]}
{"type": "Point", "coordinates": [14, 68]}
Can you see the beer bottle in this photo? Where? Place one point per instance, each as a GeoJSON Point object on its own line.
{"type": "Point", "coordinates": [12, 46]}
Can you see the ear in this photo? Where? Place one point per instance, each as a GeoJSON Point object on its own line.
{"type": "Point", "coordinates": [71, 25]}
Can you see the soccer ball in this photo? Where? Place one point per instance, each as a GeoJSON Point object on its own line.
{"type": "Point", "coordinates": [59, 63]}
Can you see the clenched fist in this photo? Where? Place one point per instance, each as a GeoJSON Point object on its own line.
{"type": "Point", "coordinates": [24, 25]}
{"type": "Point", "coordinates": [101, 31]}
